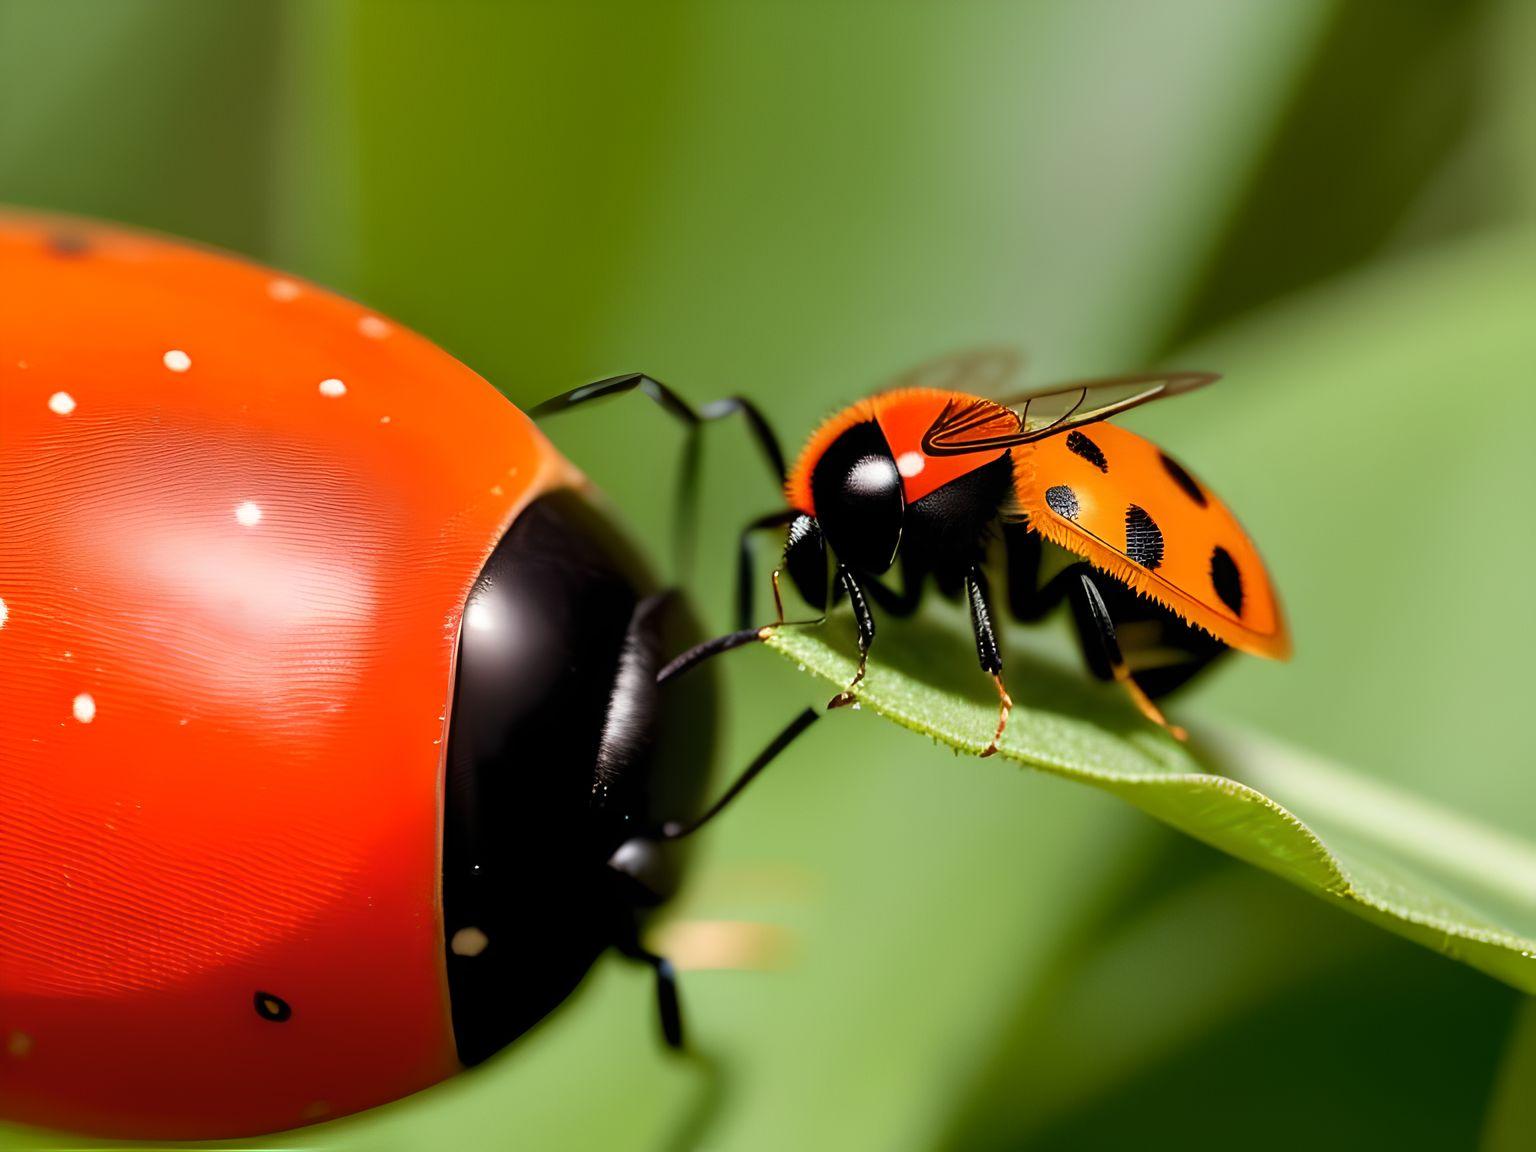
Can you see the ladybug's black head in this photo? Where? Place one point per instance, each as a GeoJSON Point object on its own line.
{"type": "Point", "coordinates": [561, 749]}
{"type": "Point", "coordinates": [858, 496]}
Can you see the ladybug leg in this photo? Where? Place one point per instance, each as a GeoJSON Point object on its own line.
{"type": "Point", "coordinates": [746, 563]}
{"type": "Point", "coordinates": [692, 419]}
{"type": "Point", "coordinates": [1024, 551]}
{"type": "Point", "coordinates": [904, 603]}
{"type": "Point", "coordinates": [1028, 599]}
{"type": "Point", "coordinates": [987, 652]}
{"type": "Point", "coordinates": [805, 558]}
{"type": "Point", "coordinates": [667, 1006]}
{"type": "Point", "coordinates": [791, 732]}
{"type": "Point", "coordinates": [865, 622]}
{"type": "Point", "coordinates": [676, 407]}
{"type": "Point", "coordinates": [1101, 645]}
{"type": "Point", "coordinates": [1101, 648]}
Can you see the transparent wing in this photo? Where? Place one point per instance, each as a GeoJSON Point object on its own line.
{"type": "Point", "coordinates": [979, 371]}
{"type": "Point", "coordinates": [968, 424]}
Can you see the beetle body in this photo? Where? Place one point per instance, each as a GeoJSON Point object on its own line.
{"type": "Point", "coordinates": [312, 650]}
{"type": "Point", "coordinates": [917, 480]}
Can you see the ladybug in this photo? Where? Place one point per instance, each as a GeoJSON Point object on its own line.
{"type": "Point", "coordinates": [1160, 577]}
{"type": "Point", "coordinates": [336, 740]}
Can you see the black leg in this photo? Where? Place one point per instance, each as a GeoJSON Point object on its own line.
{"type": "Point", "coordinates": [1028, 599]}
{"type": "Point", "coordinates": [805, 559]}
{"type": "Point", "coordinates": [792, 731]}
{"type": "Point", "coordinates": [1024, 550]}
{"type": "Point", "coordinates": [865, 622]}
{"type": "Point", "coordinates": [988, 653]}
{"type": "Point", "coordinates": [678, 408]}
{"type": "Point", "coordinates": [745, 564]}
{"type": "Point", "coordinates": [1096, 630]}
{"type": "Point", "coordinates": [1123, 636]}
{"type": "Point", "coordinates": [904, 603]}
{"type": "Point", "coordinates": [667, 1005]}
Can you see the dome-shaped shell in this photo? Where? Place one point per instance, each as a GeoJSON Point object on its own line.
{"type": "Point", "coordinates": [239, 517]}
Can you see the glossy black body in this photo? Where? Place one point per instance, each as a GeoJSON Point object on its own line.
{"type": "Point", "coordinates": [560, 749]}
{"type": "Point", "coordinates": [859, 500]}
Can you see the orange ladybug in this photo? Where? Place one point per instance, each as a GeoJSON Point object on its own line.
{"type": "Point", "coordinates": [334, 747]}
{"type": "Point", "coordinates": [920, 476]}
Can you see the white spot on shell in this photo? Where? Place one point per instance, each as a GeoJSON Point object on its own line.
{"type": "Point", "coordinates": [19, 1045]}
{"type": "Point", "coordinates": [469, 942]}
{"type": "Point", "coordinates": [248, 514]}
{"type": "Point", "coordinates": [84, 708]}
{"type": "Point", "coordinates": [910, 464]}
{"type": "Point", "coordinates": [283, 290]}
{"type": "Point", "coordinates": [383, 419]}
{"type": "Point", "coordinates": [4, 613]}
{"type": "Point", "coordinates": [62, 403]}
{"type": "Point", "coordinates": [373, 327]}
{"type": "Point", "coordinates": [332, 387]}
{"type": "Point", "coordinates": [177, 360]}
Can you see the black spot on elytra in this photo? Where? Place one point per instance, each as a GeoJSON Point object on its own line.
{"type": "Point", "coordinates": [273, 1008]}
{"type": "Point", "coordinates": [1226, 579]}
{"type": "Point", "coordinates": [1143, 538]}
{"type": "Point", "coordinates": [1062, 501]}
{"type": "Point", "coordinates": [1080, 445]}
{"type": "Point", "coordinates": [1183, 479]}
{"type": "Point", "coordinates": [68, 244]}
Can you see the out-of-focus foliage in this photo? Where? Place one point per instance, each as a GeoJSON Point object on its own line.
{"type": "Point", "coordinates": [793, 200]}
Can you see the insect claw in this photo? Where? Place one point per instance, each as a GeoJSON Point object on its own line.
{"type": "Point", "coordinates": [1004, 707]}
{"type": "Point", "coordinates": [846, 697]}
{"type": "Point", "coordinates": [1152, 712]}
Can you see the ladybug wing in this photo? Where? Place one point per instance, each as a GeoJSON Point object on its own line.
{"type": "Point", "coordinates": [1134, 512]}
{"type": "Point", "coordinates": [969, 424]}
{"type": "Point", "coordinates": [977, 371]}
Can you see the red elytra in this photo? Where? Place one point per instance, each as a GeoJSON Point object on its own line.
{"type": "Point", "coordinates": [229, 599]}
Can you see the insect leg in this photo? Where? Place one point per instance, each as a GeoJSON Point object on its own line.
{"type": "Point", "coordinates": [904, 603]}
{"type": "Point", "coordinates": [792, 731]}
{"type": "Point", "coordinates": [667, 1005]}
{"type": "Point", "coordinates": [987, 652]}
{"type": "Point", "coordinates": [745, 558]}
{"type": "Point", "coordinates": [676, 407]}
{"type": "Point", "coordinates": [865, 622]}
{"type": "Point", "coordinates": [1028, 599]}
{"type": "Point", "coordinates": [1101, 648]}
{"type": "Point", "coordinates": [692, 419]}
{"type": "Point", "coordinates": [1024, 550]}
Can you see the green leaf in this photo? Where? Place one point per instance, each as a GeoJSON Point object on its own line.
{"type": "Point", "coordinates": [1439, 879]}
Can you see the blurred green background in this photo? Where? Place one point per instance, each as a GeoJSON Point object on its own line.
{"type": "Point", "coordinates": [1330, 202]}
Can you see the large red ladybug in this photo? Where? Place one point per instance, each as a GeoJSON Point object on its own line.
{"type": "Point", "coordinates": [333, 748]}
